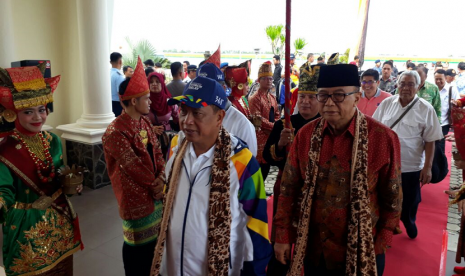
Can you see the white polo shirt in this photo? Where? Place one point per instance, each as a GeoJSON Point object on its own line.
{"type": "Point", "coordinates": [444, 93]}
{"type": "Point", "coordinates": [418, 126]}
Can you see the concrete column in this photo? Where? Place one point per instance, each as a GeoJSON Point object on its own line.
{"type": "Point", "coordinates": [84, 138]}
{"type": "Point", "coordinates": [94, 48]}
{"type": "Point", "coordinates": [94, 52]}
{"type": "Point", "coordinates": [7, 49]}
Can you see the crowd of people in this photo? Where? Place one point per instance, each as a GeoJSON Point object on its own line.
{"type": "Point", "coordinates": [188, 158]}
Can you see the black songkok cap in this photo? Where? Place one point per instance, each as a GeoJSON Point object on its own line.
{"type": "Point", "coordinates": [338, 75]}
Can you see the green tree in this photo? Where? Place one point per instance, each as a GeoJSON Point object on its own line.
{"type": "Point", "coordinates": [277, 39]}
{"type": "Point", "coordinates": [345, 58]}
{"type": "Point", "coordinates": [145, 50]}
{"type": "Point", "coordinates": [299, 45]}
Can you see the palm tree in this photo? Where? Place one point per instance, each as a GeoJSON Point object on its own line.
{"type": "Point", "coordinates": [276, 37]}
{"type": "Point", "coordinates": [299, 45]}
{"type": "Point", "coordinates": [145, 50]}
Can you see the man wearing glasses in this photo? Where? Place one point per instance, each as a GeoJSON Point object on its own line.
{"type": "Point", "coordinates": [417, 131]}
{"type": "Point", "coordinates": [340, 193]}
{"type": "Point", "coordinates": [372, 95]}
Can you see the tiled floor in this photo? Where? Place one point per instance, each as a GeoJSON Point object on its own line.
{"type": "Point", "coordinates": [102, 233]}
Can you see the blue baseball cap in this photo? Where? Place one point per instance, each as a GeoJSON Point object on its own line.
{"type": "Point", "coordinates": [223, 64]}
{"type": "Point", "coordinates": [292, 56]}
{"type": "Point", "coordinates": [200, 92]}
{"type": "Point", "coordinates": [209, 70]}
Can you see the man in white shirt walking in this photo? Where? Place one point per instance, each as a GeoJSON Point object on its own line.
{"type": "Point", "coordinates": [417, 130]}
{"type": "Point", "coordinates": [447, 92]}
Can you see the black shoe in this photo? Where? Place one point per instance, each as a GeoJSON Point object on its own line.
{"type": "Point", "coordinates": [412, 231]}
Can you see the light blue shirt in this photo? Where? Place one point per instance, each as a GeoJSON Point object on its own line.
{"type": "Point", "coordinates": [460, 83]}
{"type": "Point", "coordinates": [116, 79]}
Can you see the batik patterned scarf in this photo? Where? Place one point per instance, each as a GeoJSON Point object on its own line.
{"type": "Point", "coordinates": [219, 230]}
{"type": "Point", "coordinates": [360, 259]}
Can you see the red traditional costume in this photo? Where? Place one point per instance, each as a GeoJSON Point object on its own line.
{"type": "Point", "coordinates": [135, 161]}
{"type": "Point", "coordinates": [264, 104]}
{"type": "Point", "coordinates": [40, 228]}
{"type": "Point", "coordinates": [237, 79]}
{"type": "Point", "coordinates": [130, 166]}
{"type": "Point", "coordinates": [341, 194]}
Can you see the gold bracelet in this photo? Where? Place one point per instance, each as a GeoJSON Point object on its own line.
{"type": "Point", "coordinates": [273, 154]}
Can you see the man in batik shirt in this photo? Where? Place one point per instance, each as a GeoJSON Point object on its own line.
{"type": "Point", "coordinates": [429, 91]}
{"type": "Point", "coordinates": [340, 187]}
{"type": "Point", "coordinates": [264, 104]}
{"type": "Point", "coordinates": [387, 82]}
{"type": "Point", "coordinates": [136, 169]}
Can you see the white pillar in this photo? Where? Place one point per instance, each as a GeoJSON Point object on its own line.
{"type": "Point", "coordinates": [7, 49]}
{"type": "Point", "coordinates": [95, 57]}
{"type": "Point", "coordinates": [93, 42]}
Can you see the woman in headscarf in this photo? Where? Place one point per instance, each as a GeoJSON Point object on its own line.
{"type": "Point", "coordinates": [40, 228]}
{"type": "Point", "coordinates": [160, 112]}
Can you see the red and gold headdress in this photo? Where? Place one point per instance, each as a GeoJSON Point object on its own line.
{"type": "Point", "coordinates": [215, 58]}
{"type": "Point", "coordinates": [265, 70]}
{"type": "Point", "coordinates": [138, 85]}
{"type": "Point", "coordinates": [24, 87]}
{"type": "Point", "coordinates": [236, 78]}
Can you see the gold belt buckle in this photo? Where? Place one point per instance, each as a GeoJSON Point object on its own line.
{"type": "Point", "coordinates": [42, 203]}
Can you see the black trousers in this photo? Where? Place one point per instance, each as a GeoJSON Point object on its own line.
{"type": "Point", "coordinates": [138, 259]}
{"type": "Point", "coordinates": [321, 270]}
{"type": "Point", "coordinates": [442, 142]}
{"type": "Point", "coordinates": [265, 168]}
{"type": "Point", "coordinates": [412, 197]}
{"type": "Point", "coordinates": [116, 108]}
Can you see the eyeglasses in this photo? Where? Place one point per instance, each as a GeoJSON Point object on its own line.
{"type": "Point", "coordinates": [368, 82]}
{"type": "Point", "coordinates": [267, 79]}
{"type": "Point", "coordinates": [410, 84]}
{"type": "Point", "coordinates": [336, 97]}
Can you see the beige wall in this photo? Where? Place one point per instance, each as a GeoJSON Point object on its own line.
{"type": "Point", "coordinates": [47, 29]}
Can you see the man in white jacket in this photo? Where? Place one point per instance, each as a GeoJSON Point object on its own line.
{"type": "Point", "coordinates": [215, 217]}
{"type": "Point", "coordinates": [234, 121]}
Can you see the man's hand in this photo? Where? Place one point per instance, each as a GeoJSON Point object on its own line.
{"type": "Point", "coordinates": [286, 138]}
{"type": "Point", "coordinates": [158, 189]}
{"type": "Point", "coordinates": [460, 164]}
{"type": "Point", "coordinates": [158, 130]}
{"type": "Point", "coordinates": [450, 137]}
{"type": "Point", "coordinates": [282, 252]}
{"type": "Point", "coordinates": [425, 176]}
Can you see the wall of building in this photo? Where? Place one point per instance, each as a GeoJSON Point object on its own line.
{"type": "Point", "coordinates": [47, 29]}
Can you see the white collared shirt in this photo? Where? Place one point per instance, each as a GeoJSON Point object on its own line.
{"type": "Point", "coordinates": [444, 93]}
{"type": "Point", "coordinates": [186, 247]}
{"type": "Point", "coordinates": [418, 126]}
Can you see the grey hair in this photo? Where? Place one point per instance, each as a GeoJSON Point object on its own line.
{"type": "Point", "coordinates": [412, 73]}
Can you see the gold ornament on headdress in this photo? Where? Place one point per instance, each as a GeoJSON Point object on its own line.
{"type": "Point", "coordinates": [9, 115]}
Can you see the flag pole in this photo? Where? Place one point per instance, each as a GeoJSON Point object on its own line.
{"type": "Point", "coordinates": [287, 74]}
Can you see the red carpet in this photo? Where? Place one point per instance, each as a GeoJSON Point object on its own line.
{"type": "Point", "coordinates": [421, 256]}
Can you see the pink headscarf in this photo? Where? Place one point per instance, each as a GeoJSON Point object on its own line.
{"type": "Point", "coordinates": [159, 103]}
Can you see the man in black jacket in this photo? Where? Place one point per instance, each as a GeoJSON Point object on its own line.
{"type": "Point", "coordinates": [277, 74]}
